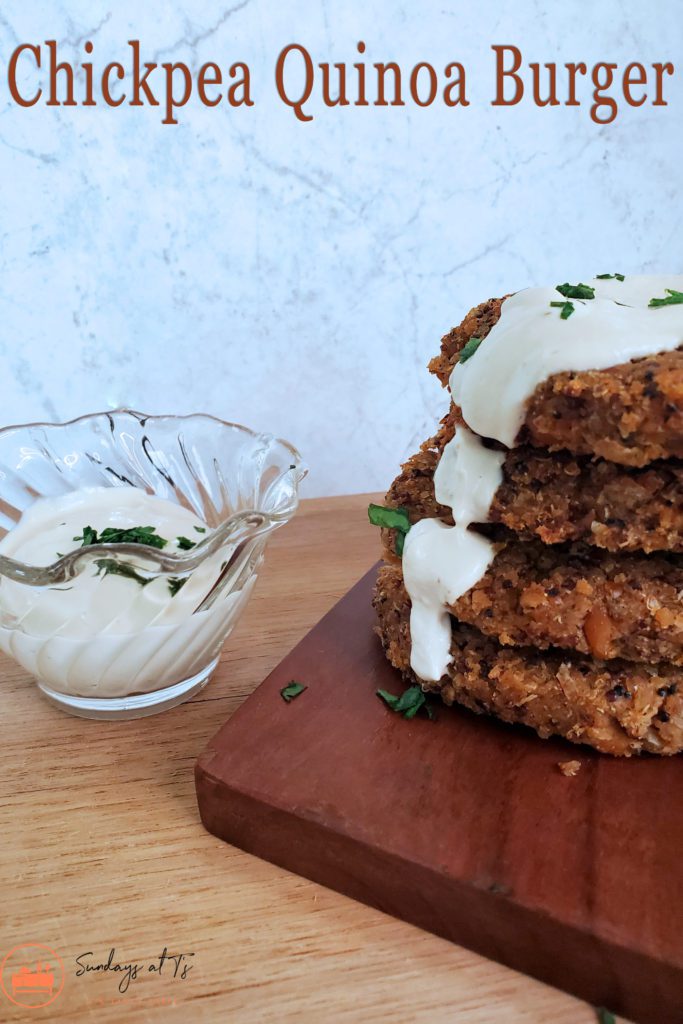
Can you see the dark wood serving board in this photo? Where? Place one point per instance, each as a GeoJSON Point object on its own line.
{"type": "Point", "coordinates": [463, 826]}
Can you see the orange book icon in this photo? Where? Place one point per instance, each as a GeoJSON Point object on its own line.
{"type": "Point", "coordinates": [41, 980]}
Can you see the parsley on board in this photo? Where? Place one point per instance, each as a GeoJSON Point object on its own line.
{"type": "Point", "coordinates": [291, 691]}
{"type": "Point", "coordinates": [409, 702]}
{"type": "Point", "coordinates": [609, 277]}
{"type": "Point", "coordinates": [567, 309]}
{"type": "Point", "coordinates": [673, 298]}
{"type": "Point", "coordinates": [134, 535]}
{"type": "Point", "coordinates": [605, 1017]}
{"type": "Point", "coordinates": [576, 291]}
{"type": "Point", "coordinates": [391, 519]}
{"type": "Point", "coordinates": [468, 350]}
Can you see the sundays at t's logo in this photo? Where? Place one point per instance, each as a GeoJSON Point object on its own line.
{"type": "Point", "coordinates": [32, 975]}
{"type": "Point", "coordinates": [167, 965]}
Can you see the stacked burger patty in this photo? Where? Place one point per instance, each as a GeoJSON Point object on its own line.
{"type": "Point", "coordinates": [575, 628]}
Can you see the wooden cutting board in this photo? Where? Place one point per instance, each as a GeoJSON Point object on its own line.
{"type": "Point", "coordinates": [463, 826]}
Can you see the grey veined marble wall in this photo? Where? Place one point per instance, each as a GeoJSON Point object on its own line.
{"type": "Point", "coordinates": [298, 276]}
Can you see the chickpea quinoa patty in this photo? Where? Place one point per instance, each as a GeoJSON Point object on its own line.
{"type": "Point", "coordinates": [631, 414]}
{"type": "Point", "coordinates": [577, 599]}
{"type": "Point", "coordinates": [617, 707]}
{"type": "Point", "coordinates": [561, 497]}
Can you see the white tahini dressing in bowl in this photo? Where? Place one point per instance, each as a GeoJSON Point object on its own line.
{"type": "Point", "coordinates": [530, 343]}
{"type": "Point", "coordinates": [102, 634]}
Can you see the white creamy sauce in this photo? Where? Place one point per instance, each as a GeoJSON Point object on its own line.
{"type": "Point", "coordinates": [467, 477]}
{"type": "Point", "coordinates": [106, 635]}
{"type": "Point", "coordinates": [441, 563]}
{"type": "Point", "coordinates": [530, 343]}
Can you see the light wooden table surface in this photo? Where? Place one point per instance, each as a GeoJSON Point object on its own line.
{"type": "Point", "coordinates": [102, 848]}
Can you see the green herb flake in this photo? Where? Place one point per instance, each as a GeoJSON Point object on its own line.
{"type": "Point", "coordinates": [468, 350]}
{"type": "Point", "coordinates": [604, 1016]}
{"type": "Point", "coordinates": [89, 536]}
{"type": "Point", "coordinates": [110, 567]}
{"type": "Point", "coordinates": [408, 703]}
{"type": "Point", "coordinates": [185, 544]}
{"type": "Point", "coordinates": [200, 529]}
{"type": "Point", "coordinates": [291, 691]}
{"type": "Point", "coordinates": [391, 519]}
{"type": "Point", "coordinates": [673, 298]}
{"type": "Point", "coordinates": [135, 535]}
{"type": "Point", "coordinates": [609, 277]}
{"type": "Point", "coordinates": [567, 308]}
{"type": "Point", "coordinates": [576, 291]}
{"type": "Point", "coordinates": [175, 584]}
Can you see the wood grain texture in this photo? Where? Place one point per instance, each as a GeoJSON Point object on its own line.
{"type": "Point", "coordinates": [464, 826]}
{"type": "Point", "coordinates": [102, 847]}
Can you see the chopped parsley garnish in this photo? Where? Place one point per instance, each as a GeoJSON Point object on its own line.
{"type": "Point", "coordinates": [609, 277]}
{"type": "Point", "coordinates": [89, 536]}
{"type": "Point", "coordinates": [135, 535]}
{"type": "Point", "coordinates": [110, 567]}
{"type": "Point", "coordinates": [200, 529]}
{"type": "Point", "coordinates": [408, 704]}
{"type": "Point", "coordinates": [391, 519]}
{"type": "Point", "coordinates": [566, 307]}
{"type": "Point", "coordinates": [673, 298]}
{"type": "Point", "coordinates": [576, 291]}
{"type": "Point", "coordinates": [185, 544]}
{"type": "Point", "coordinates": [291, 691]}
{"type": "Point", "coordinates": [468, 350]}
{"type": "Point", "coordinates": [604, 1016]}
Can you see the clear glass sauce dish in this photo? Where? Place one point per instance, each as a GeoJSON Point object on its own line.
{"type": "Point", "coordinates": [125, 629]}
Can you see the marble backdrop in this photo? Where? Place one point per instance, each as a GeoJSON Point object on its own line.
{"type": "Point", "coordinates": [298, 277]}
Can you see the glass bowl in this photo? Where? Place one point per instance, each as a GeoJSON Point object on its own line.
{"type": "Point", "coordinates": [130, 650]}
